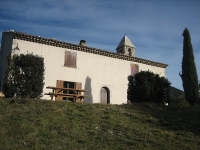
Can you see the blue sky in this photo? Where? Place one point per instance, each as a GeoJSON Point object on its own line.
{"type": "Point", "coordinates": [155, 27]}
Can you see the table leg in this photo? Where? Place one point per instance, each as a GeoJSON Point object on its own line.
{"type": "Point", "coordinates": [52, 95]}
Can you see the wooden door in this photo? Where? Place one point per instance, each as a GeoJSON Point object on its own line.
{"type": "Point", "coordinates": [104, 96]}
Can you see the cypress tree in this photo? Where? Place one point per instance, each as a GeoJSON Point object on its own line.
{"type": "Point", "coordinates": [189, 72]}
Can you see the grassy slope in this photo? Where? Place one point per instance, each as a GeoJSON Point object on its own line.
{"type": "Point", "coordinates": [61, 125]}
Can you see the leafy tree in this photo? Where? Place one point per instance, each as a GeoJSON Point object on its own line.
{"type": "Point", "coordinates": [146, 86]}
{"type": "Point", "coordinates": [25, 76]}
{"type": "Point", "coordinates": [189, 72]}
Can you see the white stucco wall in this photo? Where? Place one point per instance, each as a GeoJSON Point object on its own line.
{"type": "Point", "coordinates": [93, 71]}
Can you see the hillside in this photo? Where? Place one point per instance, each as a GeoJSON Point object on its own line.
{"type": "Point", "coordinates": [175, 92]}
{"type": "Point", "coordinates": [37, 124]}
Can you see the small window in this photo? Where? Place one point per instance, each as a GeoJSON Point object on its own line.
{"type": "Point", "coordinates": [134, 69]}
{"type": "Point", "coordinates": [67, 84]}
{"type": "Point", "coordinates": [70, 59]}
{"type": "Point", "coordinates": [129, 52]}
{"type": "Point", "coordinates": [120, 51]}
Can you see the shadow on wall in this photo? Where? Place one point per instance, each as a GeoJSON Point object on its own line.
{"type": "Point", "coordinates": [89, 88]}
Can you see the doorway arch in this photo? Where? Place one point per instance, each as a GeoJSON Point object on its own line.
{"type": "Point", "coordinates": [105, 95]}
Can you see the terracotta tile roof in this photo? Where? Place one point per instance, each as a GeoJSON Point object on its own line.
{"type": "Point", "coordinates": [56, 43]}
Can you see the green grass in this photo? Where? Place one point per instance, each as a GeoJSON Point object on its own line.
{"type": "Point", "coordinates": [38, 124]}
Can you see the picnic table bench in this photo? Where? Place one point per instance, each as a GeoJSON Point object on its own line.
{"type": "Point", "coordinates": [76, 93]}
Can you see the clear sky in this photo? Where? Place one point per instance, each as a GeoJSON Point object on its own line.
{"type": "Point", "coordinates": [155, 27]}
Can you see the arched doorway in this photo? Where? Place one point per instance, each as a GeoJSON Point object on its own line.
{"type": "Point", "coordinates": [105, 95]}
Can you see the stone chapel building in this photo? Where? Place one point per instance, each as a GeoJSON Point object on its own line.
{"type": "Point", "coordinates": [103, 73]}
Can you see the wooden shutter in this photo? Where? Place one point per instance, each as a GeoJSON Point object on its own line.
{"type": "Point", "coordinates": [134, 69]}
{"type": "Point", "coordinates": [60, 85]}
{"type": "Point", "coordinates": [78, 87]}
{"type": "Point", "coordinates": [73, 59]}
{"type": "Point", "coordinates": [70, 59]}
{"type": "Point", "coordinates": [67, 58]}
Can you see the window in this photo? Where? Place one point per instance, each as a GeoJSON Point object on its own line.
{"type": "Point", "coordinates": [70, 59]}
{"type": "Point", "coordinates": [129, 52]}
{"type": "Point", "coordinates": [134, 69]}
{"type": "Point", "coordinates": [68, 84]}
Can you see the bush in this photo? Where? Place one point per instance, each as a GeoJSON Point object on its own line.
{"type": "Point", "coordinates": [180, 101]}
{"type": "Point", "coordinates": [25, 76]}
{"type": "Point", "coordinates": [146, 86]}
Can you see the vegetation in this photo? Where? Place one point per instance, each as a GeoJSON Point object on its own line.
{"type": "Point", "coordinates": [174, 92]}
{"type": "Point", "coordinates": [198, 102]}
{"type": "Point", "coordinates": [25, 76]}
{"type": "Point", "coordinates": [189, 72]}
{"type": "Point", "coordinates": [37, 124]}
{"type": "Point", "coordinates": [177, 97]}
{"type": "Point", "coordinates": [146, 86]}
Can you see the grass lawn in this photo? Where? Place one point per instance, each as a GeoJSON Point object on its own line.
{"type": "Point", "coordinates": [39, 124]}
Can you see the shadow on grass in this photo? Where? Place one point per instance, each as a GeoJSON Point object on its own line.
{"type": "Point", "coordinates": [169, 117]}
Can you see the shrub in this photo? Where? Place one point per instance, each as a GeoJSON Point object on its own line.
{"type": "Point", "coordinates": [25, 76]}
{"type": "Point", "coordinates": [174, 92]}
{"type": "Point", "coordinates": [146, 86]}
{"type": "Point", "coordinates": [180, 101]}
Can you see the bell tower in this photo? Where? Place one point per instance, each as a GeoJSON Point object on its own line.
{"type": "Point", "coordinates": [126, 47]}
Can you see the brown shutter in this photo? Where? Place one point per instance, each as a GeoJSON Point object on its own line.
{"type": "Point", "coordinates": [137, 68]}
{"type": "Point", "coordinates": [134, 69]}
{"type": "Point", "coordinates": [59, 85]}
{"type": "Point", "coordinates": [70, 59]}
{"type": "Point", "coordinates": [78, 87]}
{"type": "Point", "coordinates": [73, 59]}
{"type": "Point", "coordinates": [67, 58]}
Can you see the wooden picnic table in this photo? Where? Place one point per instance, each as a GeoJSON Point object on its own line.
{"type": "Point", "coordinates": [56, 91]}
